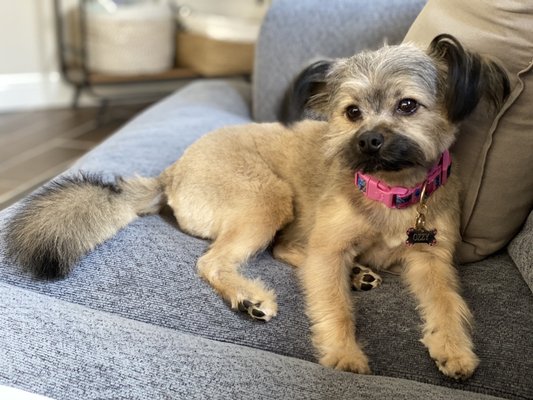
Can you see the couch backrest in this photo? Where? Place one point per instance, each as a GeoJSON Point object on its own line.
{"type": "Point", "coordinates": [297, 32]}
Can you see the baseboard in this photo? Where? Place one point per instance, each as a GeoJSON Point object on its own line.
{"type": "Point", "coordinates": [33, 91]}
{"type": "Point", "coordinates": [19, 92]}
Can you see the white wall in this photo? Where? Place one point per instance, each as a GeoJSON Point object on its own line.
{"type": "Point", "coordinates": [29, 76]}
{"type": "Point", "coordinates": [20, 52]}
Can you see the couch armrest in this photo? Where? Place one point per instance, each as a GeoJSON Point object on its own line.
{"type": "Point", "coordinates": [297, 32]}
{"type": "Point", "coordinates": [521, 251]}
{"type": "Point", "coordinates": [158, 136]}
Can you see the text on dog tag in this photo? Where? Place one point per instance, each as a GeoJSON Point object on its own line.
{"type": "Point", "coordinates": [421, 235]}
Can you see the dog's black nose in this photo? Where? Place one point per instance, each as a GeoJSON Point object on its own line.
{"type": "Point", "coordinates": [370, 142]}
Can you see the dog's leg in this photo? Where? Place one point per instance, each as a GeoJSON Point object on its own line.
{"type": "Point", "coordinates": [245, 235]}
{"type": "Point", "coordinates": [447, 319]}
{"type": "Point", "coordinates": [219, 266]}
{"type": "Point", "coordinates": [364, 278]}
{"type": "Point", "coordinates": [326, 282]}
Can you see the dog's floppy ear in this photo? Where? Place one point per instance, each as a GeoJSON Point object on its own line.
{"type": "Point", "coordinates": [469, 77]}
{"type": "Point", "coordinates": [308, 92]}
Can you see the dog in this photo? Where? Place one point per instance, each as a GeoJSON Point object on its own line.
{"type": "Point", "coordinates": [333, 194]}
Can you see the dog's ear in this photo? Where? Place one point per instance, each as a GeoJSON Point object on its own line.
{"type": "Point", "coordinates": [308, 92]}
{"type": "Point", "coordinates": [469, 78]}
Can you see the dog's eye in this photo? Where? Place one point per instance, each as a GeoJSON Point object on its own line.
{"type": "Point", "coordinates": [353, 113]}
{"type": "Point", "coordinates": [407, 106]}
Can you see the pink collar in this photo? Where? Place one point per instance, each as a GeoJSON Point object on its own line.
{"type": "Point", "coordinates": [401, 197]}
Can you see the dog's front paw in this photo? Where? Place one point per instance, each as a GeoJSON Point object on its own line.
{"type": "Point", "coordinates": [459, 366]}
{"type": "Point", "coordinates": [347, 360]}
{"type": "Point", "coordinates": [453, 359]}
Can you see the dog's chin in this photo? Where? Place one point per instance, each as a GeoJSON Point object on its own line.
{"type": "Point", "coordinates": [400, 172]}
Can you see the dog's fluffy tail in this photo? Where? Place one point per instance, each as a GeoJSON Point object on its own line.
{"type": "Point", "coordinates": [72, 215]}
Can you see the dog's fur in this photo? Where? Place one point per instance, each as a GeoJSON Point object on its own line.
{"type": "Point", "coordinates": [245, 186]}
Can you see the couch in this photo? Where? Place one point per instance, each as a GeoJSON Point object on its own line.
{"type": "Point", "coordinates": [134, 320]}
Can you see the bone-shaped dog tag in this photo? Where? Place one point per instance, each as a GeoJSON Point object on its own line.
{"type": "Point", "coordinates": [419, 234]}
{"type": "Point", "coordinates": [415, 236]}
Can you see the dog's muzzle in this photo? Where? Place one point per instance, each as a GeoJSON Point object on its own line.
{"type": "Point", "coordinates": [374, 151]}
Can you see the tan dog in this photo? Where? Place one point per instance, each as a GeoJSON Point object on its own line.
{"type": "Point", "coordinates": [389, 116]}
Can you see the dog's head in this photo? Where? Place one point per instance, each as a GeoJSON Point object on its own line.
{"type": "Point", "coordinates": [397, 108]}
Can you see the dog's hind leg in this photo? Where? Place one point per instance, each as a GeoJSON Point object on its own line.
{"type": "Point", "coordinates": [224, 190]}
{"type": "Point", "coordinates": [242, 239]}
{"type": "Point", "coordinates": [364, 278]}
{"type": "Point", "coordinates": [220, 267]}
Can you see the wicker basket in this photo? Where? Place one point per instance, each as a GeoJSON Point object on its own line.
{"type": "Point", "coordinates": [137, 39]}
{"type": "Point", "coordinates": [214, 57]}
{"type": "Point", "coordinates": [212, 44]}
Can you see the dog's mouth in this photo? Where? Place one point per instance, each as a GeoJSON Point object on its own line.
{"type": "Point", "coordinates": [380, 164]}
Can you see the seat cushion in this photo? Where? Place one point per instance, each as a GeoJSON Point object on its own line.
{"type": "Point", "coordinates": [147, 273]}
{"type": "Point", "coordinates": [89, 354]}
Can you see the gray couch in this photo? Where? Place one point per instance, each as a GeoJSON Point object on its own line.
{"type": "Point", "coordinates": [134, 320]}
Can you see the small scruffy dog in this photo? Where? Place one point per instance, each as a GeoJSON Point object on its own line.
{"type": "Point", "coordinates": [330, 193]}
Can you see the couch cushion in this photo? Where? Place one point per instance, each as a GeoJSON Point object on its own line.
{"type": "Point", "coordinates": [147, 273]}
{"type": "Point", "coordinates": [90, 354]}
{"type": "Point", "coordinates": [494, 149]}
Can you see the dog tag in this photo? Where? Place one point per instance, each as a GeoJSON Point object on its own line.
{"type": "Point", "coordinates": [422, 235]}
{"type": "Point", "coordinates": [419, 234]}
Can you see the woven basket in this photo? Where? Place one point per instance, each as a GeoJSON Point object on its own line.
{"type": "Point", "coordinates": [132, 40]}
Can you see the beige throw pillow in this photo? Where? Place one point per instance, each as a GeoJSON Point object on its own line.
{"type": "Point", "coordinates": [494, 151]}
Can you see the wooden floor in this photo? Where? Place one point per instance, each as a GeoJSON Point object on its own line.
{"type": "Point", "coordinates": [35, 146]}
